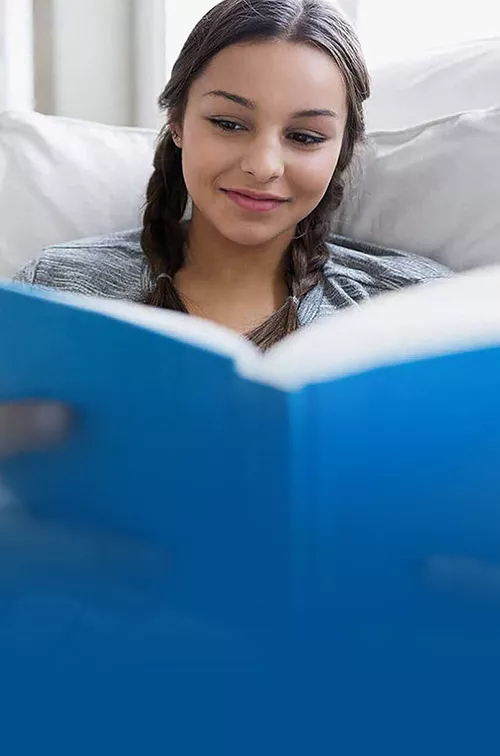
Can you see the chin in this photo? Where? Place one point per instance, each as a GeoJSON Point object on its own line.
{"type": "Point", "coordinates": [249, 234]}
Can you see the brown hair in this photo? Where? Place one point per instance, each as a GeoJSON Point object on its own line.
{"type": "Point", "coordinates": [314, 22]}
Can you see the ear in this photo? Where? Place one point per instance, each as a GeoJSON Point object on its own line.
{"type": "Point", "coordinates": [176, 132]}
{"type": "Point", "coordinates": [177, 139]}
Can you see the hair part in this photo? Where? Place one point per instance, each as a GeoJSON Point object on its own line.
{"type": "Point", "coordinates": [314, 22]}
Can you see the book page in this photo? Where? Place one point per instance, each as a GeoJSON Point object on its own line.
{"type": "Point", "coordinates": [444, 316]}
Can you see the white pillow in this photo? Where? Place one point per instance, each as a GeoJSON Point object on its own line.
{"type": "Point", "coordinates": [432, 189]}
{"type": "Point", "coordinates": [63, 179]}
{"type": "Point", "coordinates": [435, 84]}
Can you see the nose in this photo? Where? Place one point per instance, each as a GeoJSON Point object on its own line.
{"type": "Point", "coordinates": [263, 159]}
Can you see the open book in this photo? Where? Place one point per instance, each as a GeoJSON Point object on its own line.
{"type": "Point", "coordinates": [339, 495]}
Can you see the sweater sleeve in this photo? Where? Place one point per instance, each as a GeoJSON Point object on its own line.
{"type": "Point", "coordinates": [27, 274]}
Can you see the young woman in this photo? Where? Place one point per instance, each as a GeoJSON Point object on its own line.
{"type": "Point", "coordinates": [264, 111]}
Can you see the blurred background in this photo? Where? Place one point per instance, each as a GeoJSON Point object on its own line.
{"type": "Point", "coordinates": [108, 60]}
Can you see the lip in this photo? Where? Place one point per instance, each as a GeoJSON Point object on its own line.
{"type": "Point", "coordinates": [263, 203]}
{"type": "Point", "coordinates": [257, 195]}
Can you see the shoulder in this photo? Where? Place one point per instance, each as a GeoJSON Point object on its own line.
{"type": "Point", "coordinates": [379, 268]}
{"type": "Point", "coordinates": [110, 266]}
{"type": "Point", "coordinates": [356, 271]}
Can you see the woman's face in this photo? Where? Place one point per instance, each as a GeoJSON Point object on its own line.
{"type": "Point", "coordinates": [266, 118]}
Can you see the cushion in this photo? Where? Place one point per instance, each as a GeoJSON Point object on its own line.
{"type": "Point", "coordinates": [435, 84]}
{"type": "Point", "coordinates": [432, 189]}
{"type": "Point", "coordinates": [62, 179]}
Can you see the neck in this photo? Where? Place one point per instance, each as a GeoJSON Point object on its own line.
{"type": "Point", "coordinates": [230, 282]}
{"type": "Point", "coordinates": [218, 259]}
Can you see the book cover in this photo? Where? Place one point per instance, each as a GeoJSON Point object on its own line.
{"type": "Point", "coordinates": [319, 529]}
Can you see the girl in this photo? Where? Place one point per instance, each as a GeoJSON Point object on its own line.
{"type": "Point", "coordinates": [264, 112]}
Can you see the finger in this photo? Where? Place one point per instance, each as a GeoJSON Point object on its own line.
{"type": "Point", "coordinates": [31, 425]}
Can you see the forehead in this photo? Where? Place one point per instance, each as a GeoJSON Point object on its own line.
{"type": "Point", "coordinates": [283, 75]}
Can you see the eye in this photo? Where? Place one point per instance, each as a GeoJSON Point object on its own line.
{"type": "Point", "coordinates": [225, 125]}
{"type": "Point", "coordinates": [307, 140]}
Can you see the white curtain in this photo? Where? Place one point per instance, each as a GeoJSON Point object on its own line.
{"type": "Point", "coordinates": [16, 55]}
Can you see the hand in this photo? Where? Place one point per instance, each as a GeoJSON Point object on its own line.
{"type": "Point", "coordinates": [31, 425]}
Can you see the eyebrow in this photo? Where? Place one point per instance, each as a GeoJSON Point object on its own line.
{"type": "Point", "coordinates": [244, 102]}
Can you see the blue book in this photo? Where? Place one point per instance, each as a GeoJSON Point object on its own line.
{"type": "Point", "coordinates": [238, 553]}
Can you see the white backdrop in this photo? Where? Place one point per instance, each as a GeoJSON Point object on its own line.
{"type": "Point", "coordinates": [162, 26]}
{"type": "Point", "coordinates": [16, 55]}
{"type": "Point", "coordinates": [182, 16]}
{"type": "Point", "coordinates": [389, 29]}
{"type": "Point", "coordinates": [396, 29]}
{"type": "Point", "coordinates": [109, 59]}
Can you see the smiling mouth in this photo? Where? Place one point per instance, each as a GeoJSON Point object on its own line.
{"type": "Point", "coordinates": [254, 204]}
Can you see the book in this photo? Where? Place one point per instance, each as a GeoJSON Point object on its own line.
{"type": "Point", "coordinates": [328, 514]}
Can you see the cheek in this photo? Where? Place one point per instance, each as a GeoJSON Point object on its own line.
{"type": "Point", "coordinates": [312, 177]}
{"type": "Point", "coordinates": [203, 161]}
{"type": "Point", "coordinates": [194, 169]}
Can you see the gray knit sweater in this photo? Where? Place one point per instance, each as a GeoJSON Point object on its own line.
{"type": "Point", "coordinates": [115, 266]}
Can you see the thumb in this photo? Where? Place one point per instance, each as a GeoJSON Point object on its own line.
{"type": "Point", "coordinates": [30, 425]}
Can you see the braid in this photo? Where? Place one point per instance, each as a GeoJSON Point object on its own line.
{"type": "Point", "coordinates": [313, 22]}
{"type": "Point", "coordinates": [162, 238]}
{"type": "Point", "coordinates": [307, 256]}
